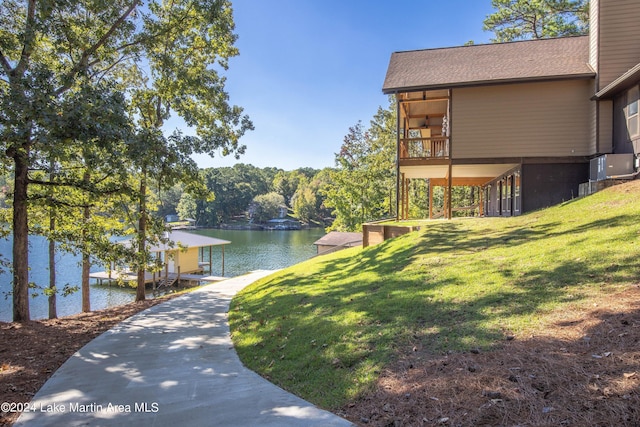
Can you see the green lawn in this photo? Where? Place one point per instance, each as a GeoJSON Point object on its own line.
{"type": "Point", "coordinates": [324, 329]}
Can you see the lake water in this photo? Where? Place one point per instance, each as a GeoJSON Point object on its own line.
{"type": "Point", "coordinates": [249, 250]}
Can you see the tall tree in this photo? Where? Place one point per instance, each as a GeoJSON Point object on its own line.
{"type": "Point", "coordinates": [537, 19]}
{"type": "Point", "coordinates": [48, 46]}
{"type": "Point", "coordinates": [361, 186]}
{"type": "Point", "coordinates": [192, 40]}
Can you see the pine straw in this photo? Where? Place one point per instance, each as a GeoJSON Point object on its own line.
{"type": "Point", "coordinates": [581, 368]}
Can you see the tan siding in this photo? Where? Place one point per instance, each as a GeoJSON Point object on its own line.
{"type": "Point", "coordinates": [532, 119]}
{"type": "Point", "coordinates": [606, 126]}
{"type": "Point", "coordinates": [619, 24]}
{"type": "Point", "coordinates": [593, 34]}
{"type": "Point", "coordinates": [593, 127]}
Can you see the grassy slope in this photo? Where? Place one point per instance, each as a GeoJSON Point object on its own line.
{"type": "Point", "coordinates": [324, 329]}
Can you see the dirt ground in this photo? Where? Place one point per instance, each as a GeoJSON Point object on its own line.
{"type": "Point", "coordinates": [31, 352]}
{"type": "Point", "coordinates": [581, 369]}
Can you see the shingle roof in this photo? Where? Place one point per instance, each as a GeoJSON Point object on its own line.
{"type": "Point", "coordinates": [489, 64]}
{"type": "Point", "coordinates": [336, 238]}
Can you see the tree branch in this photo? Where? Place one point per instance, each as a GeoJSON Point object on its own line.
{"type": "Point", "coordinates": [82, 64]}
{"type": "Point", "coordinates": [29, 37]}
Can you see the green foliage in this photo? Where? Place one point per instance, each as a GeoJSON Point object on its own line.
{"type": "Point", "coordinates": [234, 188]}
{"type": "Point", "coordinates": [287, 183]}
{"type": "Point", "coordinates": [537, 19]}
{"type": "Point", "coordinates": [59, 62]}
{"type": "Point", "coordinates": [362, 185]}
{"type": "Point", "coordinates": [267, 206]}
{"type": "Point", "coordinates": [187, 206]}
{"type": "Point", "coordinates": [325, 329]}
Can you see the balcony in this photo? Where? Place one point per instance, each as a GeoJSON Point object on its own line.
{"type": "Point", "coordinates": [429, 148]}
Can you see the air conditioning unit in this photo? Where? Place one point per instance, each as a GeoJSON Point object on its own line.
{"type": "Point", "coordinates": [611, 166]}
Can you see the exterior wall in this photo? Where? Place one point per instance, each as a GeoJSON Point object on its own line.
{"type": "Point", "coordinates": [189, 260]}
{"type": "Point", "coordinates": [594, 33]}
{"type": "Point", "coordinates": [618, 35]}
{"type": "Point", "coordinates": [546, 185]}
{"type": "Point", "coordinates": [622, 141]}
{"type": "Point", "coordinates": [543, 119]}
{"type": "Point", "coordinates": [605, 127]}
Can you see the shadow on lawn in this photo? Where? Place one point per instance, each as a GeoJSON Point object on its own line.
{"type": "Point", "coordinates": [371, 307]}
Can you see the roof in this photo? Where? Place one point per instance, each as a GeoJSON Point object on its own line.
{"type": "Point", "coordinates": [530, 60]}
{"type": "Point", "coordinates": [337, 238]}
{"type": "Point", "coordinates": [623, 82]}
{"type": "Point", "coordinates": [185, 239]}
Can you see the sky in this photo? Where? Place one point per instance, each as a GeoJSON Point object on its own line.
{"type": "Point", "coordinates": [308, 70]}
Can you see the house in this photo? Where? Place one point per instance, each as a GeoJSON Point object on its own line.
{"type": "Point", "coordinates": [526, 122]}
{"type": "Point", "coordinates": [336, 240]}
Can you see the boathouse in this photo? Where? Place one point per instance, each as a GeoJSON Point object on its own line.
{"type": "Point", "coordinates": [186, 257]}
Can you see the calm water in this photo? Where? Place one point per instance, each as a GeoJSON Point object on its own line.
{"type": "Point", "coordinates": [249, 250]}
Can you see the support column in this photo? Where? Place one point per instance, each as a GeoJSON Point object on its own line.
{"type": "Point", "coordinates": [222, 260]}
{"type": "Point", "coordinates": [406, 198]}
{"type": "Point", "coordinates": [449, 182]}
{"type": "Point", "coordinates": [430, 200]}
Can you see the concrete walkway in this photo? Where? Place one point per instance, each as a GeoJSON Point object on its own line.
{"type": "Point", "coordinates": [171, 365]}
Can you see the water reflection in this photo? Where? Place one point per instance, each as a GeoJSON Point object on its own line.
{"type": "Point", "coordinates": [249, 250]}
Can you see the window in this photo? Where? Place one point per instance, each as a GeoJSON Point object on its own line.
{"type": "Point", "coordinates": [633, 123]}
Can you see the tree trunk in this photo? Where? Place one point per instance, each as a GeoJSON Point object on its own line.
{"type": "Point", "coordinates": [86, 265]}
{"type": "Point", "coordinates": [20, 237]}
{"type": "Point", "coordinates": [53, 312]}
{"type": "Point", "coordinates": [142, 236]}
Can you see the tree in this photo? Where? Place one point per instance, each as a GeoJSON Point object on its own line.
{"type": "Point", "coordinates": [537, 19]}
{"type": "Point", "coordinates": [234, 188]}
{"type": "Point", "coordinates": [187, 207]}
{"type": "Point", "coordinates": [308, 201]}
{"type": "Point", "coordinates": [361, 186]}
{"type": "Point", "coordinates": [287, 183]}
{"type": "Point", "coordinates": [267, 206]}
{"type": "Point", "coordinates": [48, 47]}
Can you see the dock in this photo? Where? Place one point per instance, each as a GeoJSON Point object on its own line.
{"type": "Point", "coordinates": [103, 277]}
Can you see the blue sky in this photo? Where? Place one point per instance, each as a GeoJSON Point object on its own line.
{"type": "Point", "coordinates": [310, 69]}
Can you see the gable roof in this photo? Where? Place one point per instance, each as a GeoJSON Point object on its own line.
{"type": "Point", "coordinates": [531, 60]}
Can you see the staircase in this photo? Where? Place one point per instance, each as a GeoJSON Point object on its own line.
{"type": "Point", "coordinates": [167, 281]}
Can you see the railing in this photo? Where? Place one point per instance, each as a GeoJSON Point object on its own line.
{"type": "Point", "coordinates": [424, 148]}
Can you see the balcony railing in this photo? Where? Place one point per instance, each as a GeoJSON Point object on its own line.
{"type": "Point", "coordinates": [424, 148]}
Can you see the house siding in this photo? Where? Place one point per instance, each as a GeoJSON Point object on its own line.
{"type": "Point", "coordinates": [523, 120]}
{"type": "Point", "coordinates": [618, 34]}
{"type": "Point", "coordinates": [594, 33]}
{"type": "Point", "coordinates": [605, 128]}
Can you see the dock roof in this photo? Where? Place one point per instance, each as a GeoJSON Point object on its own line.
{"type": "Point", "coordinates": [186, 239]}
{"type": "Point", "coordinates": [531, 60]}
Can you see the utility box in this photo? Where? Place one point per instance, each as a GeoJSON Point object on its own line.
{"type": "Point", "coordinates": [611, 166]}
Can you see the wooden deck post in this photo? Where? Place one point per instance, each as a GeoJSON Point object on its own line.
{"type": "Point", "coordinates": [430, 200]}
{"type": "Point", "coordinates": [449, 182]}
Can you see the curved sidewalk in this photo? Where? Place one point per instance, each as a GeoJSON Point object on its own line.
{"type": "Point", "coordinates": [173, 364]}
